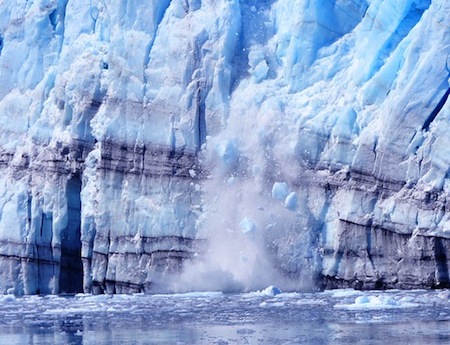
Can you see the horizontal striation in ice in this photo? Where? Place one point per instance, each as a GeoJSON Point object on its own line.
{"type": "Point", "coordinates": [51, 241]}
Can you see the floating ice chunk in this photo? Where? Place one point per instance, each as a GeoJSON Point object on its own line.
{"type": "Point", "coordinates": [245, 331]}
{"type": "Point", "coordinates": [82, 295]}
{"type": "Point", "coordinates": [311, 302]}
{"type": "Point", "coordinates": [273, 304]}
{"type": "Point", "coordinates": [340, 293]}
{"type": "Point", "coordinates": [280, 190]}
{"type": "Point", "coordinates": [362, 299]}
{"type": "Point", "coordinates": [247, 226]}
{"type": "Point", "coordinates": [194, 294]}
{"type": "Point", "coordinates": [377, 302]}
{"type": "Point", "coordinates": [7, 298]}
{"type": "Point", "coordinates": [271, 291]}
{"type": "Point", "coordinates": [291, 201]}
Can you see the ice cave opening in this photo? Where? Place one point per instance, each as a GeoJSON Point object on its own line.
{"type": "Point", "coordinates": [71, 267]}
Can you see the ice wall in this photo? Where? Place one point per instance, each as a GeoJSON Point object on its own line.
{"type": "Point", "coordinates": [245, 143]}
{"type": "Point", "coordinates": [347, 121]}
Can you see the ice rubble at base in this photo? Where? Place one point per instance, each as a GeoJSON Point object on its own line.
{"type": "Point", "coordinates": [214, 317]}
{"type": "Point", "coordinates": [302, 139]}
{"type": "Point", "coordinates": [271, 296]}
{"type": "Point", "coordinates": [379, 302]}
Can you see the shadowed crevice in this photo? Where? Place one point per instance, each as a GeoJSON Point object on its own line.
{"type": "Point", "coordinates": [435, 112]}
{"type": "Point", "coordinates": [71, 273]}
{"type": "Point", "coordinates": [440, 256]}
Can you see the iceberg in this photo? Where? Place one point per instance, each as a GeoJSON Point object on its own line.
{"type": "Point", "coordinates": [140, 140]}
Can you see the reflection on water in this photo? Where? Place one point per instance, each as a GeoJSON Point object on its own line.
{"type": "Point", "coordinates": [393, 333]}
{"type": "Point", "coordinates": [337, 317]}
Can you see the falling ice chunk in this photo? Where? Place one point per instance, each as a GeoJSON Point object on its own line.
{"type": "Point", "coordinates": [280, 190]}
{"type": "Point", "coordinates": [255, 57]}
{"type": "Point", "coordinates": [229, 154]}
{"type": "Point", "coordinates": [258, 65]}
{"type": "Point", "coordinates": [260, 71]}
{"type": "Point", "coordinates": [247, 226]}
{"type": "Point", "coordinates": [291, 201]}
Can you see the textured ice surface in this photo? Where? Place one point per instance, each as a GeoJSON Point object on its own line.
{"type": "Point", "coordinates": [303, 142]}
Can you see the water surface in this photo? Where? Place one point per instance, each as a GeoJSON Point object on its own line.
{"type": "Point", "coordinates": [332, 317]}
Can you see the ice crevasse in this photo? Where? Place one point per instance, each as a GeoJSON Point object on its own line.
{"type": "Point", "coordinates": [199, 144]}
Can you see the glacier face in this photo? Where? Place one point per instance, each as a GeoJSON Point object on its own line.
{"type": "Point", "coordinates": [301, 143]}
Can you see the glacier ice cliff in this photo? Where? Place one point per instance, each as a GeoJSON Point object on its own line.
{"type": "Point", "coordinates": [200, 144]}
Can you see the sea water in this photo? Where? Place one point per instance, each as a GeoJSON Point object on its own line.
{"type": "Point", "coordinates": [269, 316]}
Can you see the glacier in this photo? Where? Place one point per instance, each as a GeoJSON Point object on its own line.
{"type": "Point", "coordinates": [174, 145]}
